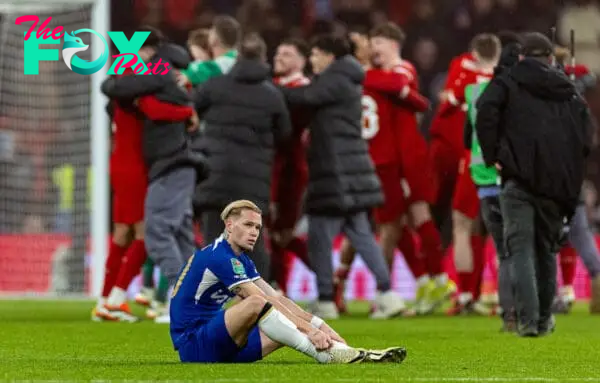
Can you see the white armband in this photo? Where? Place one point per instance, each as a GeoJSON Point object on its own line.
{"type": "Point", "coordinates": [316, 322]}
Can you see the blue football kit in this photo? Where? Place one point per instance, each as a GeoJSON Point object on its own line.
{"type": "Point", "coordinates": [204, 285]}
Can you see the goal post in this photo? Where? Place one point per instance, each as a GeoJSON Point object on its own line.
{"type": "Point", "coordinates": [54, 150]}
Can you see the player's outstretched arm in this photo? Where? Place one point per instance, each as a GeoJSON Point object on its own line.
{"type": "Point", "coordinates": [314, 321]}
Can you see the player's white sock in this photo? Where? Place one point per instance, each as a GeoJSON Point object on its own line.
{"type": "Point", "coordinates": [101, 302]}
{"type": "Point", "coordinates": [280, 329]}
{"type": "Point", "coordinates": [117, 297]}
{"type": "Point", "coordinates": [441, 279]}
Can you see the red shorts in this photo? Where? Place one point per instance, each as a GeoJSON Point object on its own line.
{"type": "Point", "coordinates": [129, 194]}
{"type": "Point", "coordinates": [416, 167]}
{"type": "Point", "coordinates": [465, 199]}
{"type": "Point", "coordinates": [394, 193]}
{"type": "Point", "coordinates": [288, 186]}
{"type": "Point", "coordinates": [445, 162]}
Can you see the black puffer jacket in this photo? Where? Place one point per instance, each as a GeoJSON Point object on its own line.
{"type": "Point", "coordinates": [245, 116]}
{"type": "Point", "coordinates": [533, 122]}
{"type": "Point", "coordinates": [166, 144]}
{"type": "Point", "coordinates": [342, 178]}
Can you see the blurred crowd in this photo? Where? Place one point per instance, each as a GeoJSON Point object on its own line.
{"type": "Point", "coordinates": [35, 187]}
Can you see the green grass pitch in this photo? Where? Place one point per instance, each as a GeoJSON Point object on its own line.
{"type": "Point", "coordinates": [55, 340]}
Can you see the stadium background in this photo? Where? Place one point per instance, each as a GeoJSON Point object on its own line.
{"type": "Point", "coordinates": [44, 120]}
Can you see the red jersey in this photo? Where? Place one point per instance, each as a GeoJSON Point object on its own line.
{"type": "Point", "coordinates": [449, 119]}
{"type": "Point", "coordinates": [403, 116]}
{"type": "Point", "coordinates": [129, 125]}
{"type": "Point", "coordinates": [390, 102]}
{"type": "Point", "coordinates": [378, 126]}
{"type": "Point", "coordinates": [127, 138]}
{"type": "Point", "coordinates": [290, 170]}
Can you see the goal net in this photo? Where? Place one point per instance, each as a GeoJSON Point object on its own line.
{"type": "Point", "coordinates": [46, 171]}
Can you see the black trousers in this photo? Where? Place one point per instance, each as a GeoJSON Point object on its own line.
{"type": "Point", "coordinates": [492, 219]}
{"type": "Point", "coordinates": [212, 227]}
{"type": "Point", "coordinates": [533, 228]}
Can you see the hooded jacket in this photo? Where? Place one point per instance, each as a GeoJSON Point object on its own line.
{"type": "Point", "coordinates": [166, 144]}
{"type": "Point", "coordinates": [533, 122]}
{"type": "Point", "coordinates": [342, 178]}
{"type": "Point", "coordinates": [244, 117]}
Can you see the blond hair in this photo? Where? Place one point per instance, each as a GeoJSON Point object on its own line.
{"type": "Point", "coordinates": [235, 208]}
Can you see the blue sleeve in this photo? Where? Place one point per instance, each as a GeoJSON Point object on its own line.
{"type": "Point", "coordinates": [230, 270]}
{"type": "Point", "coordinates": [250, 268]}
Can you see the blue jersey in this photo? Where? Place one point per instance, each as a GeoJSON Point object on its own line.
{"type": "Point", "coordinates": [204, 286]}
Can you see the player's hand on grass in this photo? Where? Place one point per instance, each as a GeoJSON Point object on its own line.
{"type": "Point", "coordinates": [331, 332]}
{"type": "Point", "coordinates": [193, 123]}
{"type": "Point", "coordinates": [320, 340]}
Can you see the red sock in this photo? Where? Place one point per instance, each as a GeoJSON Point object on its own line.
{"type": "Point", "coordinates": [478, 247]}
{"type": "Point", "coordinates": [568, 265]}
{"type": "Point", "coordinates": [431, 246]}
{"type": "Point", "coordinates": [492, 263]}
{"type": "Point", "coordinates": [414, 261]}
{"type": "Point", "coordinates": [112, 266]}
{"type": "Point", "coordinates": [278, 265]}
{"type": "Point", "coordinates": [299, 248]}
{"type": "Point", "coordinates": [132, 263]}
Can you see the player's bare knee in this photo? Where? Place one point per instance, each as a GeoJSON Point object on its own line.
{"type": "Point", "coordinates": [390, 234]}
{"type": "Point", "coordinates": [255, 303]}
{"type": "Point", "coordinates": [121, 234]}
{"type": "Point", "coordinates": [461, 222]}
{"type": "Point", "coordinates": [138, 231]}
{"type": "Point", "coordinates": [420, 213]}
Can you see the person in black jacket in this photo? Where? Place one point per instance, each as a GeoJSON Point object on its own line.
{"type": "Point", "coordinates": [533, 126]}
{"type": "Point", "coordinates": [343, 185]}
{"type": "Point", "coordinates": [173, 164]}
{"type": "Point", "coordinates": [245, 117]}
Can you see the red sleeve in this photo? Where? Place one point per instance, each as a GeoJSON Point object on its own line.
{"type": "Point", "coordinates": [161, 111]}
{"type": "Point", "coordinates": [383, 81]}
{"type": "Point", "coordinates": [416, 100]}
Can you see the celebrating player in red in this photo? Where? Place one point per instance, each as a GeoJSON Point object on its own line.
{"type": "Point", "coordinates": [128, 175]}
{"type": "Point", "coordinates": [390, 104]}
{"type": "Point", "coordinates": [433, 286]}
{"type": "Point", "coordinates": [468, 240]}
{"type": "Point", "coordinates": [290, 170]}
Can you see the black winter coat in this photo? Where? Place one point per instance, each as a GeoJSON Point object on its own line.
{"type": "Point", "coordinates": [245, 117]}
{"type": "Point", "coordinates": [342, 178]}
{"type": "Point", "coordinates": [533, 122]}
{"type": "Point", "coordinates": [166, 144]}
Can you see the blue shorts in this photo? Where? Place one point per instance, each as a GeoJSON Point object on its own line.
{"type": "Point", "coordinates": [211, 343]}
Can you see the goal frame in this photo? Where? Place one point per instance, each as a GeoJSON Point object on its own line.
{"type": "Point", "coordinates": [100, 129]}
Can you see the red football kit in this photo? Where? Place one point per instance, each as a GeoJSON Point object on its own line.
{"type": "Point", "coordinates": [383, 138]}
{"type": "Point", "coordinates": [128, 173]}
{"type": "Point", "coordinates": [447, 147]}
{"type": "Point", "coordinates": [290, 177]}
{"type": "Point", "coordinates": [129, 182]}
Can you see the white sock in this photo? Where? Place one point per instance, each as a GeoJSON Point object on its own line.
{"type": "Point", "coordinates": [101, 302]}
{"type": "Point", "coordinates": [148, 292]}
{"type": "Point", "coordinates": [280, 329]}
{"type": "Point", "coordinates": [117, 297]}
{"type": "Point", "coordinates": [441, 279]}
{"type": "Point", "coordinates": [423, 280]}
{"type": "Point", "coordinates": [464, 298]}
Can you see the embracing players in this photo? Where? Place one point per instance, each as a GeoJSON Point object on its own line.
{"type": "Point", "coordinates": [391, 102]}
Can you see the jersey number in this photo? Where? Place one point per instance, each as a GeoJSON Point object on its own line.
{"type": "Point", "coordinates": [370, 119]}
{"type": "Point", "coordinates": [219, 297]}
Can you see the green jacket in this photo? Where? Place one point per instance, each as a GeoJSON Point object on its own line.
{"type": "Point", "coordinates": [201, 71]}
{"type": "Point", "coordinates": [482, 175]}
